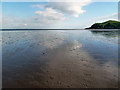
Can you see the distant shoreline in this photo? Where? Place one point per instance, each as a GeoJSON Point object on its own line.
{"type": "Point", "coordinates": [58, 29]}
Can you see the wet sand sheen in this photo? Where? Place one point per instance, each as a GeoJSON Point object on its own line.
{"type": "Point", "coordinates": [76, 69]}
{"type": "Point", "coordinates": [66, 66]}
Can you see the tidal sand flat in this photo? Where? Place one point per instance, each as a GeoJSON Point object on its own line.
{"type": "Point", "coordinates": [59, 59]}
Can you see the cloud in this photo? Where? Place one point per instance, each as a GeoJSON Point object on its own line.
{"type": "Point", "coordinates": [50, 14]}
{"type": "Point", "coordinates": [48, 18]}
{"type": "Point", "coordinates": [67, 7]}
{"type": "Point", "coordinates": [41, 6]}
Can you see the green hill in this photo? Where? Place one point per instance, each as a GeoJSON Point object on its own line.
{"type": "Point", "coordinates": [106, 25]}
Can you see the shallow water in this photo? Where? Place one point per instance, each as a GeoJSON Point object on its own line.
{"type": "Point", "coordinates": [26, 52]}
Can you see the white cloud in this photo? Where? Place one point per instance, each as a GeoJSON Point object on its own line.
{"type": "Point", "coordinates": [67, 7]}
{"type": "Point", "coordinates": [43, 19]}
{"type": "Point", "coordinates": [50, 14]}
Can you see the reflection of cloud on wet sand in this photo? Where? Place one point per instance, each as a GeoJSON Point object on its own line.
{"type": "Point", "coordinates": [50, 40]}
{"type": "Point", "coordinates": [76, 45]}
{"type": "Point", "coordinates": [72, 67]}
{"type": "Point", "coordinates": [51, 43]}
{"type": "Point", "coordinates": [61, 64]}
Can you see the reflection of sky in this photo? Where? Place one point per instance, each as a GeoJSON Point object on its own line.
{"type": "Point", "coordinates": [31, 43]}
{"type": "Point", "coordinates": [42, 39]}
{"type": "Point", "coordinates": [101, 47]}
{"type": "Point", "coordinates": [28, 45]}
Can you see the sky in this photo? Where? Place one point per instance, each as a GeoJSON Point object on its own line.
{"type": "Point", "coordinates": [56, 15]}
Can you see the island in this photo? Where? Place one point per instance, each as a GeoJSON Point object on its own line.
{"type": "Point", "coordinates": [111, 24]}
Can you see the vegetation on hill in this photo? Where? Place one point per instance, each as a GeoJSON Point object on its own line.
{"type": "Point", "coordinates": [106, 25]}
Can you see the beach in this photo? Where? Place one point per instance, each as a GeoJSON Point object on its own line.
{"type": "Point", "coordinates": [59, 59]}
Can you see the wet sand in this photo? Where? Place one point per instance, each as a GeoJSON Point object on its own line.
{"type": "Point", "coordinates": [65, 66]}
{"type": "Point", "coordinates": [76, 69]}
